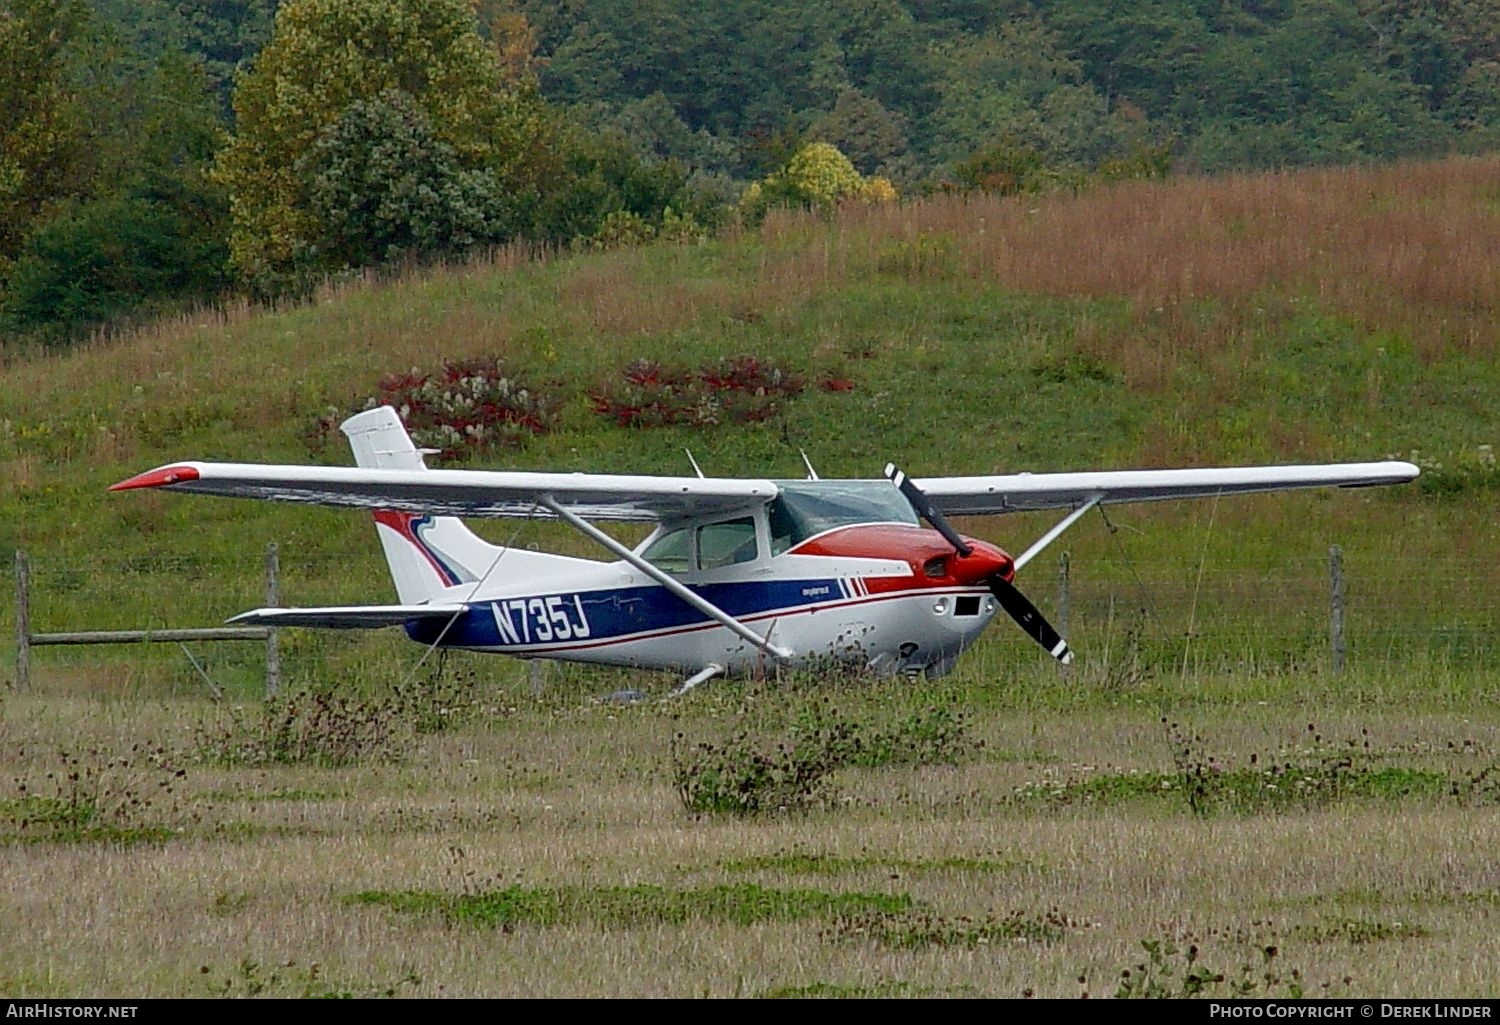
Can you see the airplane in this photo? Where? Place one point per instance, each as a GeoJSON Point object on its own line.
{"type": "Point", "coordinates": [739, 576]}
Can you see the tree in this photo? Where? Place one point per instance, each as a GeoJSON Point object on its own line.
{"type": "Point", "coordinates": [43, 128]}
{"type": "Point", "coordinates": [153, 234]}
{"type": "Point", "coordinates": [324, 56]}
{"type": "Point", "coordinates": [817, 177]}
{"type": "Point", "coordinates": [863, 129]}
{"type": "Point", "coordinates": [383, 186]}
{"type": "Point", "coordinates": [226, 34]}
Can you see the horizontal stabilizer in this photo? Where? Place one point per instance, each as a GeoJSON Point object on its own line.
{"type": "Point", "coordinates": [348, 617]}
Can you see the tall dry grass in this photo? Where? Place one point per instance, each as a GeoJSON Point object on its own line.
{"type": "Point", "coordinates": [1411, 246]}
{"type": "Point", "coordinates": [1408, 248]}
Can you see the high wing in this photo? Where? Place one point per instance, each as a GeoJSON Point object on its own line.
{"type": "Point", "coordinates": [348, 617]}
{"type": "Point", "coordinates": [1023, 492]}
{"type": "Point", "coordinates": [484, 493]}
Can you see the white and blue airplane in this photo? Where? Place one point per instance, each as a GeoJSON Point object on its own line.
{"type": "Point", "coordinates": [739, 575]}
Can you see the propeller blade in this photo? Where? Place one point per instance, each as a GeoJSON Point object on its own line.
{"type": "Point", "coordinates": [1030, 620]}
{"type": "Point", "coordinates": [926, 509]}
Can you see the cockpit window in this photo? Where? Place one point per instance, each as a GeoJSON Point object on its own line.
{"type": "Point", "coordinates": [808, 507]}
{"type": "Point", "coordinates": [672, 551]}
{"type": "Point", "coordinates": [727, 543]}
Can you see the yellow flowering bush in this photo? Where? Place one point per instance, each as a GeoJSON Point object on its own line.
{"type": "Point", "coordinates": [817, 176]}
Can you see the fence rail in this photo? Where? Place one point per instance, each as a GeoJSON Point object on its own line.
{"type": "Point", "coordinates": [26, 639]}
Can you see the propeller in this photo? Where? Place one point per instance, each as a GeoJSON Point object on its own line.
{"type": "Point", "coordinates": [1011, 600]}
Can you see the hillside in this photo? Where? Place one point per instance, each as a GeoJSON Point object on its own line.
{"type": "Point", "coordinates": [1307, 316]}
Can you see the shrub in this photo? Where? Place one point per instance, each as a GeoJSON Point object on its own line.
{"type": "Point", "coordinates": [738, 389]}
{"type": "Point", "coordinates": [469, 406]}
{"type": "Point", "coordinates": [758, 770]}
{"type": "Point", "coordinates": [817, 177]}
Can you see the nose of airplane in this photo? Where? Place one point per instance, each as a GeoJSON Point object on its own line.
{"type": "Point", "coordinates": [983, 562]}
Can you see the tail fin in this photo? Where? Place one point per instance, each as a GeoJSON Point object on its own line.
{"type": "Point", "coordinates": [427, 554]}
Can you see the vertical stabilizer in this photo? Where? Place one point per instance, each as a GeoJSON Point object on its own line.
{"type": "Point", "coordinates": [427, 554]}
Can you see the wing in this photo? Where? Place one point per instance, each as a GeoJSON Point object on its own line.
{"type": "Point", "coordinates": [348, 617]}
{"type": "Point", "coordinates": [1021, 492]}
{"type": "Point", "coordinates": [492, 493]}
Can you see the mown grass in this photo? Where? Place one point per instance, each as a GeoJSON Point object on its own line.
{"type": "Point", "coordinates": [545, 851]}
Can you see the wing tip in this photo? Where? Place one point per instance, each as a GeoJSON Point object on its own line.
{"type": "Point", "coordinates": [162, 476]}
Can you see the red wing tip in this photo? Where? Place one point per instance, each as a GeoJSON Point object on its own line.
{"type": "Point", "coordinates": [158, 478]}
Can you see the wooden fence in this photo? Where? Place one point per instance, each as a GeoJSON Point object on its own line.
{"type": "Point", "coordinates": [26, 639]}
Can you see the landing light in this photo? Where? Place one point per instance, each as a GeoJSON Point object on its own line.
{"type": "Point", "coordinates": [940, 606]}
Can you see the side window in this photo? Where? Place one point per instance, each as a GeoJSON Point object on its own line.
{"type": "Point", "coordinates": [672, 551]}
{"type": "Point", "coordinates": [727, 543]}
{"type": "Point", "coordinates": [783, 527]}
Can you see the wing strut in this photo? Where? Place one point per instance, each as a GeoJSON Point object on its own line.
{"type": "Point", "coordinates": [697, 601]}
{"type": "Point", "coordinates": [1056, 532]}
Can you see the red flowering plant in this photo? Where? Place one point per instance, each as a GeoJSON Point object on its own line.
{"type": "Point", "coordinates": [471, 405]}
{"type": "Point", "coordinates": [737, 389]}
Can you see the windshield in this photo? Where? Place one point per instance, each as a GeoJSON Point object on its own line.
{"type": "Point", "coordinates": [808, 507]}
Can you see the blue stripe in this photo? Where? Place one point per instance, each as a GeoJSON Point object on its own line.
{"type": "Point", "coordinates": [618, 612]}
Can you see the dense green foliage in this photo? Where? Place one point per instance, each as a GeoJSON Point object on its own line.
{"type": "Point", "coordinates": [913, 87]}
{"type": "Point", "coordinates": [351, 134]}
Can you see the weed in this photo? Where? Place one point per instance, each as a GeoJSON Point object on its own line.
{"type": "Point", "coordinates": [748, 775]}
{"type": "Point", "coordinates": [835, 991]}
{"type": "Point", "coordinates": [1172, 970]}
{"type": "Point", "coordinates": [804, 863]}
{"type": "Point", "coordinates": [1464, 471]}
{"type": "Point", "coordinates": [631, 906]}
{"type": "Point", "coordinates": [1316, 774]}
{"type": "Point", "coordinates": [762, 769]}
{"type": "Point", "coordinates": [306, 728]}
{"type": "Point", "coordinates": [447, 701]}
{"type": "Point", "coordinates": [916, 929]}
{"type": "Point", "coordinates": [225, 904]}
{"type": "Point", "coordinates": [1478, 786]}
{"type": "Point", "coordinates": [290, 980]}
{"type": "Point", "coordinates": [94, 797]}
{"type": "Point", "coordinates": [933, 736]}
{"type": "Point", "coordinates": [1357, 931]}
{"type": "Point", "coordinates": [1073, 367]}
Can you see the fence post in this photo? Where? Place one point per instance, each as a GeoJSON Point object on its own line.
{"type": "Point", "coordinates": [1336, 606]}
{"type": "Point", "coordinates": [1062, 601]}
{"type": "Point", "coordinates": [23, 622]}
{"type": "Point", "coordinates": [273, 599]}
{"type": "Point", "coordinates": [534, 671]}
{"type": "Point", "coordinates": [1062, 594]}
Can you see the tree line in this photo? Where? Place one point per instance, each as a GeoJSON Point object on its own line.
{"type": "Point", "coordinates": [160, 151]}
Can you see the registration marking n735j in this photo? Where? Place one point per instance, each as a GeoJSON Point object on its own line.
{"type": "Point", "coordinates": [528, 620]}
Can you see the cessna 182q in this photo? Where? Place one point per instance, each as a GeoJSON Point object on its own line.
{"type": "Point", "coordinates": [739, 574]}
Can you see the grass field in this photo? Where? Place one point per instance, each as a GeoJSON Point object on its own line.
{"type": "Point", "coordinates": [1000, 831]}
{"type": "Point", "coordinates": [539, 847]}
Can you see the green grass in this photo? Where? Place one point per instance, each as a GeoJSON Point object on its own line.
{"type": "Point", "coordinates": [803, 863]}
{"type": "Point", "coordinates": [635, 906]}
{"type": "Point", "coordinates": [836, 991]}
{"type": "Point", "coordinates": [915, 930]}
{"type": "Point", "coordinates": [1240, 790]}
